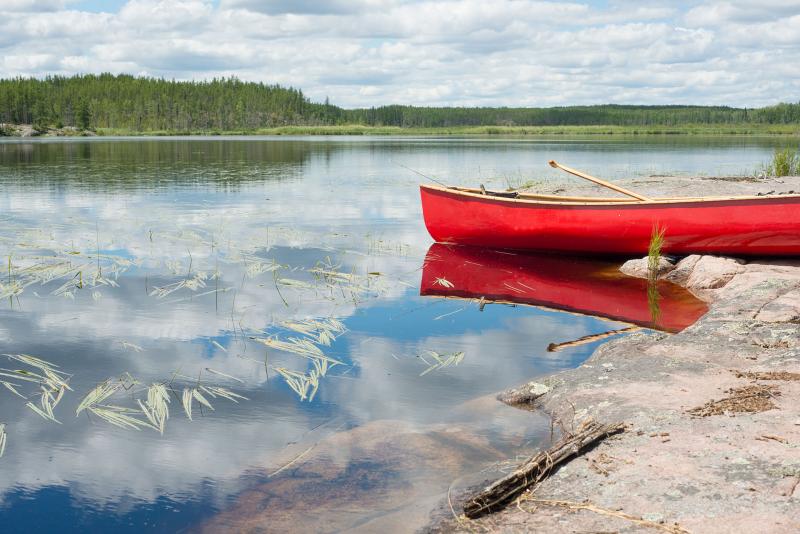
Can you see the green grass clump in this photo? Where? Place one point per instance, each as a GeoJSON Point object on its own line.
{"type": "Point", "coordinates": [654, 253]}
{"type": "Point", "coordinates": [653, 257]}
{"type": "Point", "coordinates": [785, 162]}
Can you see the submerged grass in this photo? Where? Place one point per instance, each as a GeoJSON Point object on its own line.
{"type": "Point", "coordinates": [440, 361]}
{"type": "Point", "coordinates": [155, 406]}
{"type": "Point", "coordinates": [52, 384]}
{"type": "Point", "coordinates": [317, 333]}
{"type": "Point", "coordinates": [46, 264]}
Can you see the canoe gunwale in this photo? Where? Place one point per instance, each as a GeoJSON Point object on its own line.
{"type": "Point", "coordinates": [556, 201]}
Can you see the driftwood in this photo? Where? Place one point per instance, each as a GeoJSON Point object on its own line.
{"type": "Point", "coordinates": [555, 347]}
{"type": "Point", "coordinates": [538, 467]}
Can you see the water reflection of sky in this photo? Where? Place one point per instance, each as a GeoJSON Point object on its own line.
{"type": "Point", "coordinates": [166, 211]}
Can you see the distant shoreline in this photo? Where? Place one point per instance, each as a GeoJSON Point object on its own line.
{"type": "Point", "coordinates": [783, 130]}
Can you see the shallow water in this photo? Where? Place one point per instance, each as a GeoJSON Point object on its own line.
{"type": "Point", "coordinates": [173, 261]}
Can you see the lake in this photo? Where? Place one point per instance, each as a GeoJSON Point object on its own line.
{"type": "Point", "coordinates": [227, 333]}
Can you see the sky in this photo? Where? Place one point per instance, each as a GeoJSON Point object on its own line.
{"type": "Point", "coordinates": [427, 52]}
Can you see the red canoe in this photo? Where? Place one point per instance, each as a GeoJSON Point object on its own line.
{"type": "Point", "coordinates": [751, 226]}
{"type": "Point", "coordinates": [579, 285]}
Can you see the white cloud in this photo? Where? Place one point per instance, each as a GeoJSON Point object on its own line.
{"type": "Point", "coordinates": [427, 52]}
{"type": "Point", "coordinates": [25, 6]}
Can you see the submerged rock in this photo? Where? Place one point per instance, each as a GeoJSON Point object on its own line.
{"type": "Point", "coordinates": [383, 476]}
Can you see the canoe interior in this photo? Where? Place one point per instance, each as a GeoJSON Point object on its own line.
{"type": "Point", "coordinates": [560, 199]}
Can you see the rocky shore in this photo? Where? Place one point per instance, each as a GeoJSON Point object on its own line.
{"type": "Point", "coordinates": [713, 413]}
{"type": "Point", "coordinates": [28, 130]}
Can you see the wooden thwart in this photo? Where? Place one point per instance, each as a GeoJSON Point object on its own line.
{"type": "Point", "coordinates": [538, 467]}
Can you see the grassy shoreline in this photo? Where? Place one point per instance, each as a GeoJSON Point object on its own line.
{"type": "Point", "coordinates": [784, 130]}
{"type": "Point", "coordinates": [357, 129]}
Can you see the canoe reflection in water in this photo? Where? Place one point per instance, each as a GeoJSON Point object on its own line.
{"type": "Point", "coordinates": [579, 285]}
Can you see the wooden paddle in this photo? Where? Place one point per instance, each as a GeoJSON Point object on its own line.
{"type": "Point", "coordinates": [598, 181]}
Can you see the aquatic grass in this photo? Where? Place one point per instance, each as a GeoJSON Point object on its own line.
{"type": "Point", "coordinates": [81, 265]}
{"type": "Point", "coordinates": [156, 407]}
{"type": "Point", "coordinates": [517, 182]}
{"type": "Point", "coordinates": [99, 394]}
{"type": "Point", "coordinates": [256, 268]}
{"type": "Point", "coordinates": [52, 383]}
{"type": "Point", "coordinates": [45, 414]}
{"type": "Point", "coordinates": [220, 373]}
{"type": "Point", "coordinates": [653, 260]}
{"type": "Point", "coordinates": [38, 269]}
{"type": "Point", "coordinates": [186, 400]}
{"type": "Point", "coordinates": [119, 416]}
{"type": "Point", "coordinates": [444, 282]}
{"type": "Point", "coordinates": [219, 391]}
{"type": "Point", "coordinates": [299, 382]}
{"type": "Point", "coordinates": [654, 252]}
{"type": "Point", "coordinates": [300, 346]}
{"type": "Point", "coordinates": [324, 331]}
{"type": "Point", "coordinates": [193, 284]}
{"type": "Point", "coordinates": [441, 360]}
{"type": "Point", "coordinates": [2, 439]}
{"type": "Point", "coordinates": [201, 399]}
{"type": "Point", "coordinates": [12, 388]}
{"type": "Point", "coordinates": [299, 284]}
{"type": "Point", "coordinates": [68, 266]}
{"type": "Point", "coordinates": [785, 162]}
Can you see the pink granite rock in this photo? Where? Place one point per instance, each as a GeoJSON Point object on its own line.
{"type": "Point", "coordinates": [683, 269]}
{"type": "Point", "coordinates": [638, 268]}
{"type": "Point", "coordinates": [712, 272]}
{"type": "Point", "coordinates": [784, 309]}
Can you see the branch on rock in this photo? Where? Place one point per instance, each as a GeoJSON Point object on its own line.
{"type": "Point", "coordinates": [539, 467]}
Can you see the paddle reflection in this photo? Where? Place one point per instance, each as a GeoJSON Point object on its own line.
{"type": "Point", "coordinates": [579, 285]}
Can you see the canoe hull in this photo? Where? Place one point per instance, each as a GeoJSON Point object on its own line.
{"type": "Point", "coordinates": [760, 226]}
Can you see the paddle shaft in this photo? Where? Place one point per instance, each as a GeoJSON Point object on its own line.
{"type": "Point", "coordinates": [598, 181]}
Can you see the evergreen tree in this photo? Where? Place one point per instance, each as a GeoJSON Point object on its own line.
{"type": "Point", "coordinates": [152, 104]}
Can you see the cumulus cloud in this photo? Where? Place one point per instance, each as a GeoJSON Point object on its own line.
{"type": "Point", "coordinates": [429, 52]}
{"type": "Point", "coordinates": [25, 6]}
{"type": "Point", "coordinates": [316, 7]}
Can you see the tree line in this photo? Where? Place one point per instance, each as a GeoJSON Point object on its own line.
{"type": "Point", "coordinates": [153, 104]}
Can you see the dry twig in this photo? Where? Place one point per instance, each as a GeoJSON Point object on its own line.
{"type": "Point", "coordinates": [672, 529]}
{"type": "Point", "coordinates": [538, 467]}
{"type": "Point", "coordinates": [749, 399]}
{"type": "Point", "coordinates": [768, 375]}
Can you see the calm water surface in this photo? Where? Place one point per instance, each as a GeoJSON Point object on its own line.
{"type": "Point", "coordinates": [271, 285]}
